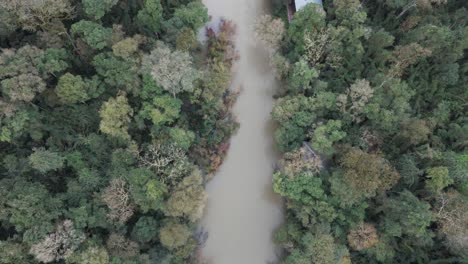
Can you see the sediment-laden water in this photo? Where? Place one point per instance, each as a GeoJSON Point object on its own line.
{"type": "Point", "coordinates": [242, 212]}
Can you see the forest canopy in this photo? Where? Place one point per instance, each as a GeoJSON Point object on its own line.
{"type": "Point", "coordinates": [373, 128]}
{"type": "Point", "coordinates": [112, 115]}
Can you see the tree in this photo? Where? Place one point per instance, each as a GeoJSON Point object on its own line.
{"type": "Point", "coordinates": [13, 252]}
{"type": "Point", "coordinates": [269, 31]}
{"type": "Point", "coordinates": [23, 87]}
{"type": "Point", "coordinates": [91, 255]}
{"type": "Point", "coordinates": [117, 72]}
{"type": "Point", "coordinates": [366, 173]}
{"type": "Point", "coordinates": [29, 207]}
{"type": "Point", "coordinates": [128, 47]}
{"type": "Point", "coordinates": [355, 99]}
{"type": "Point", "coordinates": [44, 160]}
{"type": "Point", "coordinates": [159, 158]}
{"type": "Point", "coordinates": [20, 78]}
{"type": "Point", "coordinates": [96, 9]}
{"type": "Point", "coordinates": [150, 16]}
{"type": "Point", "coordinates": [94, 34]}
{"type": "Point", "coordinates": [74, 89]}
{"type": "Point", "coordinates": [172, 70]}
{"type": "Point", "coordinates": [301, 78]}
{"type": "Point", "coordinates": [405, 56]}
{"type": "Point", "coordinates": [174, 235]}
{"type": "Point", "coordinates": [146, 229]}
{"type": "Point", "coordinates": [295, 116]}
{"type": "Point", "coordinates": [319, 248]}
{"type": "Point", "coordinates": [163, 110]}
{"type": "Point", "coordinates": [414, 132]}
{"type": "Point", "coordinates": [349, 13]}
{"type": "Point", "coordinates": [188, 199]}
{"type": "Point", "coordinates": [115, 117]}
{"type": "Point", "coordinates": [8, 23]}
{"type": "Point", "coordinates": [438, 179]}
{"type": "Point", "coordinates": [451, 211]}
{"type": "Point", "coordinates": [310, 17]}
{"type": "Point", "coordinates": [193, 15]}
{"type": "Point", "coordinates": [182, 138]}
{"type": "Point", "coordinates": [146, 190]}
{"type": "Point", "coordinates": [186, 40]}
{"type": "Point", "coordinates": [58, 245]}
{"type": "Point", "coordinates": [117, 198]}
{"type": "Point", "coordinates": [33, 15]}
{"type": "Point", "coordinates": [324, 136]}
{"type": "Point", "coordinates": [411, 215]}
{"type": "Point", "coordinates": [362, 237]}
{"type": "Point", "coordinates": [118, 245]}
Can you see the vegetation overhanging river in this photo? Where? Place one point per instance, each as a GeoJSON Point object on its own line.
{"type": "Point", "coordinates": [242, 211]}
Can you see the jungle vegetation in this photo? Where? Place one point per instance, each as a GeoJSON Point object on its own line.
{"type": "Point", "coordinates": [373, 128]}
{"type": "Point", "coordinates": [111, 117]}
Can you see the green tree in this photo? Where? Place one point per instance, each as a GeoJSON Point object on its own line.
{"type": "Point", "coordinates": [117, 72]}
{"type": "Point", "coordinates": [12, 252]}
{"type": "Point", "coordinates": [438, 179]}
{"type": "Point", "coordinates": [188, 199]}
{"type": "Point", "coordinates": [33, 15]}
{"type": "Point", "coordinates": [115, 117]}
{"type": "Point", "coordinates": [150, 16]}
{"type": "Point", "coordinates": [23, 71]}
{"type": "Point", "coordinates": [181, 137]}
{"type": "Point", "coordinates": [174, 235]}
{"type": "Point", "coordinates": [406, 214]}
{"type": "Point", "coordinates": [367, 174]}
{"type": "Point", "coordinates": [44, 160]}
{"type": "Point", "coordinates": [91, 255]}
{"type": "Point", "coordinates": [23, 87]}
{"type": "Point", "coordinates": [74, 89]}
{"type": "Point", "coordinates": [324, 136]}
{"type": "Point", "coordinates": [186, 40]}
{"type": "Point", "coordinates": [311, 16]}
{"type": "Point", "coordinates": [146, 190]}
{"type": "Point", "coordinates": [301, 77]}
{"type": "Point", "coordinates": [146, 229]}
{"type": "Point", "coordinates": [96, 9]}
{"type": "Point", "coordinates": [29, 207]}
{"type": "Point", "coordinates": [295, 116]}
{"type": "Point", "coordinates": [349, 13]}
{"type": "Point", "coordinates": [163, 110]}
{"type": "Point", "coordinates": [193, 15]}
{"type": "Point", "coordinates": [127, 48]}
{"type": "Point", "coordinates": [94, 34]}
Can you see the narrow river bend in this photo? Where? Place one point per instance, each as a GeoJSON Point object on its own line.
{"type": "Point", "coordinates": [242, 212]}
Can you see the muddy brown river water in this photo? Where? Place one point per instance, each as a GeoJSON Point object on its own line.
{"type": "Point", "coordinates": [242, 211]}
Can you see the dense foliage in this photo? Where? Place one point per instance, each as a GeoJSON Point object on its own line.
{"type": "Point", "coordinates": [111, 116]}
{"type": "Point", "coordinates": [373, 127]}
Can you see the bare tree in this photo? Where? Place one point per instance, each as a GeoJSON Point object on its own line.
{"type": "Point", "coordinates": [363, 237]}
{"type": "Point", "coordinates": [117, 198]}
{"type": "Point", "coordinates": [58, 245]}
{"type": "Point", "coordinates": [120, 246]}
{"type": "Point", "coordinates": [173, 70]}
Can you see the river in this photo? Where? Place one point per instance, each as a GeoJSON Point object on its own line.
{"type": "Point", "coordinates": [242, 212]}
